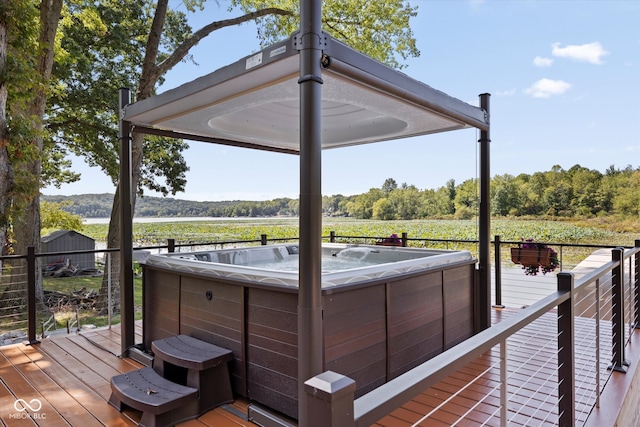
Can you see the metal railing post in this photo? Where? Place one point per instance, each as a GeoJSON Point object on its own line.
{"type": "Point", "coordinates": [31, 295]}
{"type": "Point", "coordinates": [405, 238]}
{"type": "Point", "coordinates": [329, 400]}
{"type": "Point", "coordinates": [635, 286]}
{"type": "Point", "coordinates": [332, 236]}
{"type": "Point", "coordinates": [171, 245]}
{"type": "Point", "coordinates": [566, 354]}
{"type": "Point", "coordinates": [618, 363]}
{"type": "Point", "coordinates": [263, 239]}
{"type": "Point", "coordinates": [504, 384]}
{"type": "Point", "coordinates": [498, 273]}
{"type": "Point", "coordinates": [109, 291]}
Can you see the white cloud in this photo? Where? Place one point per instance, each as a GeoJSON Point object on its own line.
{"type": "Point", "coordinates": [509, 92]}
{"type": "Point", "coordinates": [545, 88]}
{"type": "Point", "coordinates": [539, 61]}
{"type": "Point", "coordinates": [590, 52]}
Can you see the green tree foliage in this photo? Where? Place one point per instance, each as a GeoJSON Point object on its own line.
{"type": "Point", "coordinates": [616, 192]}
{"type": "Point", "coordinates": [54, 217]}
{"type": "Point", "coordinates": [102, 48]}
{"type": "Point", "coordinates": [381, 29]}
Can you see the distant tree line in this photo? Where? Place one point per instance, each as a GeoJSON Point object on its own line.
{"type": "Point", "coordinates": [576, 192]}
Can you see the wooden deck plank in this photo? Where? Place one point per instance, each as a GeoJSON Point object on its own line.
{"type": "Point", "coordinates": [82, 369]}
{"type": "Point", "coordinates": [85, 373]}
{"type": "Point", "coordinates": [78, 391]}
{"type": "Point", "coordinates": [219, 418]}
{"type": "Point", "coordinates": [9, 417]}
{"type": "Point", "coordinates": [21, 388]}
{"type": "Point", "coordinates": [68, 408]}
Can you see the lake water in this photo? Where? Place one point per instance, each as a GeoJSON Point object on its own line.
{"type": "Point", "coordinates": [184, 219]}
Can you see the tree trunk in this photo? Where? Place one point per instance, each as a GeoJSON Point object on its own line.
{"type": "Point", "coordinates": [150, 74]}
{"type": "Point", "coordinates": [6, 171]}
{"type": "Point", "coordinates": [147, 83]}
{"type": "Point", "coordinates": [26, 226]}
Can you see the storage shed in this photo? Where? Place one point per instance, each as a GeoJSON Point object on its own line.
{"type": "Point", "coordinates": [69, 241]}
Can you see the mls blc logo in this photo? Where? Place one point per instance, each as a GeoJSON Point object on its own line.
{"type": "Point", "coordinates": [34, 405]}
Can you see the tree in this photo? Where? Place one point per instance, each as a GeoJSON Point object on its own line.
{"type": "Point", "coordinates": [466, 199]}
{"type": "Point", "coordinates": [381, 24]}
{"type": "Point", "coordinates": [389, 185]}
{"type": "Point", "coordinates": [29, 39]}
{"type": "Point", "coordinates": [504, 195]}
{"type": "Point", "coordinates": [379, 29]}
{"type": "Point", "coordinates": [383, 209]}
{"type": "Point", "coordinates": [54, 217]}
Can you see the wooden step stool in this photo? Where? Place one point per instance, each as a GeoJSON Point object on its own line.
{"type": "Point", "coordinates": [161, 401]}
{"type": "Point", "coordinates": [194, 363]}
{"type": "Point", "coordinates": [189, 377]}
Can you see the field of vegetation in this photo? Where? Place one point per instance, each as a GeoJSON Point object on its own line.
{"type": "Point", "coordinates": [365, 231]}
{"type": "Point", "coordinates": [157, 233]}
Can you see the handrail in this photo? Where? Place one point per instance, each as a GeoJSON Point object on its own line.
{"type": "Point", "coordinates": [374, 405]}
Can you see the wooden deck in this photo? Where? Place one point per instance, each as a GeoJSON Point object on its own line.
{"type": "Point", "coordinates": [69, 376]}
{"type": "Point", "coordinates": [65, 381]}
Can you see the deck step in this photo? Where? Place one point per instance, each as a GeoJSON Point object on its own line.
{"type": "Point", "coordinates": [195, 363]}
{"type": "Point", "coordinates": [190, 353]}
{"type": "Point", "coordinates": [161, 401]}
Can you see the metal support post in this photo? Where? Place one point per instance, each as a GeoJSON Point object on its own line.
{"type": "Point", "coordinates": [127, 309]}
{"type": "Point", "coordinates": [617, 317]}
{"type": "Point", "coordinates": [31, 295]}
{"type": "Point", "coordinates": [310, 42]}
{"type": "Point", "coordinates": [484, 262]}
{"type": "Point", "coordinates": [497, 272]}
{"type": "Point", "coordinates": [635, 285]}
{"type": "Point", "coordinates": [566, 354]}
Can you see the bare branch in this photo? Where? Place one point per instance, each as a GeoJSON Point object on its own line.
{"type": "Point", "coordinates": [181, 51]}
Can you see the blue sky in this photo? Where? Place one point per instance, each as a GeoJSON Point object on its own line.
{"type": "Point", "coordinates": [564, 79]}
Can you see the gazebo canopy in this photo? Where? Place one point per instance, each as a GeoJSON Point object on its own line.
{"type": "Point", "coordinates": [255, 102]}
{"type": "Point", "coordinates": [273, 100]}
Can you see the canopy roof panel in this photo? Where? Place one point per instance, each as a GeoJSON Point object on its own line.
{"type": "Point", "coordinates": [255, 103]}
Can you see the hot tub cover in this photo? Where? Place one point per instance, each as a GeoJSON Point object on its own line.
{"type": "Point", "coordinates": [254, 103]}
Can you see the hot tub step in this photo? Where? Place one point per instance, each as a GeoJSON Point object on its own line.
{"type": "Point", "coordinates": [198, 364]}
{"type": "Point", "coordinates": [161, 401]}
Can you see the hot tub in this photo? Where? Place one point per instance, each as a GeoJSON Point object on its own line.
{"type": "Point", "coordinates": [385, 310]}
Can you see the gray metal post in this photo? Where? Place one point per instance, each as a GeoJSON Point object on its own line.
{"type": "Point", "coordinates": [310, 42]}
{"type": "Point", "coordinates": [566, 354]}
{"type": "Point", "coordinates": [329, 400]}
{"type": "Point", "coordinates": [127, 309]}
{"type": "Point", "coordinates": [31, 295]}
{"type": "Point", "coordinates": [617, 313]}
{"type": "Point", "coordinates": [497, 272]}
{"type": "Point", "coordinates": [636, 287]}
{"type": "Point", "coordinates": [484, 251]}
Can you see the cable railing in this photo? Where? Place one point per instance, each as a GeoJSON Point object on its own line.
{"type": "Point", "coordinates": [538, 367]}
{"type": "Point", "coordinates": [581, 343]}
{"type": "Point", "coordinates": [14, 279]}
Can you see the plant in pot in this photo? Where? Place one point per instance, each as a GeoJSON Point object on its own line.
{"type": "Point", "coordinates": [535, 257]}
{"type": "Point", "coordinates": [392, 240]}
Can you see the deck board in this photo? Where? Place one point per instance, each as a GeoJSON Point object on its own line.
{"type": "Point", "coordinates": [70, 374]}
